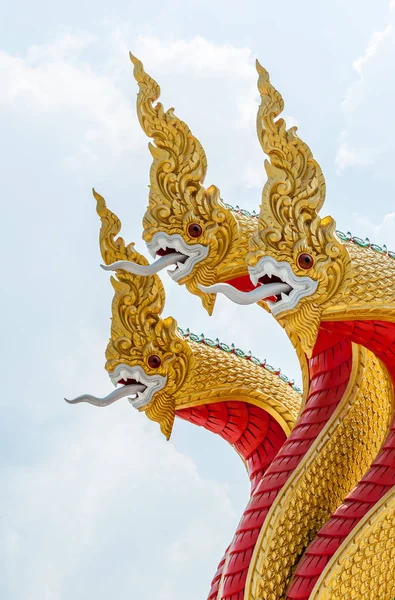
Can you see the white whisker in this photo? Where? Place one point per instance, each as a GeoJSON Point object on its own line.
{"type": "Point", "coordinates": [245, 298]}
{"type": "Point", "coordinates": [146, 270]}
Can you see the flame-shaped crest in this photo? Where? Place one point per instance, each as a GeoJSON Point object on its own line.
{"type": "Point", "coordinates": [296, 186]}
{"type": "Point", "coordinates": [138, 301]}
{"type": "Point", "coordinates": [137, 330]}
{"type": "Point", "coordinates": [289, 223]}
{"type": "Point", "coordinates": [180, 163]}
{"type": "Point", "coordinates": [177, 197]}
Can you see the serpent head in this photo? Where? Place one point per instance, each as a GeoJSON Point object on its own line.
{"type": "Point", "coordinates": [296, 262]}
{"type": "Point", "coordinates": [146, 356]}
{"type": "Point", "coordinates": [186, 225]}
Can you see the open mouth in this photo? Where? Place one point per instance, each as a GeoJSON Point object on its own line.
{"type": "Point", "coordinates": [132, 382]}
{"type": "Point", "coordinates": [273, 282]}
{"type": "Point", "coordinates": [182, 256]}
{"type": "Point", "coordinates": [140, 387]}
{"type": "Point", "coordinates": [265, 280]}
{"type": "Point", "coordinates": [134, 386]}
{"type": "Point", "coordinates": [181, 260]}
{"type": "Point", "coordinates": [269, 271]}
{"type": "Point", "coordinates": [169, 250]}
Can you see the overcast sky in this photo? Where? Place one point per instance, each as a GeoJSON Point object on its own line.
{"type": "Point", "coordinates": [95, 503]}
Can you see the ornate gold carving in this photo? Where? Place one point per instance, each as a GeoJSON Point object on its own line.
{"type": "Point", "coordinates": [220, 376]}
{"type": "Point", "coordinates": [364, 565]}
{"type": "Point", "coordinates": [370, 292]}
{"type": "Point", "coordinates": [196, 373]}
{"type": "Point", "coordinates": [289, 223]}
{"type": "Point", "coordinates": [177, 196]}
{"type": "Point", "coordinates": [331, 469]}
{"type": "Point", "coordinates": [352, 283]}
{"type": "Point", "coordinates": [137, 331]}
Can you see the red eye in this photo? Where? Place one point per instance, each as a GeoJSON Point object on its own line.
{"type": "Point", "coordinates": [305, 261]}
{"type": "Point", "coordinates": [195, 230]}
{"type": "Point", "coordinates": [154, 361]}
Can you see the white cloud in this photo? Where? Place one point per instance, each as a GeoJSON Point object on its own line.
{"type": "Point", "coordinates": [377, 39]}
{"type": "Point", "coordinates": [58, 81]}
{"type": "Point", "coordinates": [369, 119]}
{"type": "Point", "coordinates": [348, 156]}
{"type": "Point", "coordinates": [379, 233]}
{"type": "Point", "coordinates": [95, 502]}
{"type": "Point", "coordinates": [54, 82]}
{"type": "Point", "coordinates": [112, 492]}
{"type": "Point", "coordinates": [214, 86]}
{"type": "Point", "coordinates": [199, 55]}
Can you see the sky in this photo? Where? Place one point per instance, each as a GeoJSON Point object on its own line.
{"type": "Point", "coordinates": [95, 503]}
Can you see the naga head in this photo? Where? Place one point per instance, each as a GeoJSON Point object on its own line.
{"type": "Point", "coordinates": [295, 259]}
{"type": "Point", "coordinates": [186, 225]}
{"type": "Point", "coordinates": [146, 356]}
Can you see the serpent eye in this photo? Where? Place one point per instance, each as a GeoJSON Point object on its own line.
{"type": "Point", "coordinates": [195, 230]}
{"type": "Point", "coordinates": [154, 361]}
{"type": "Point", "coordinates": [305, 261]}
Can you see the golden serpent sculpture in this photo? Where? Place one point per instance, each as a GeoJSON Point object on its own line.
{"type": "Point", "coordinates": [320, 521]}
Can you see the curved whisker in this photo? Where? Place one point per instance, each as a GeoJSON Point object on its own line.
{"type": "Point", "coordinates": [115, 395]}
{"type": "Point", "coordinates": [260, 293]}
{"type": "Point", "coordinates": [145, 270]}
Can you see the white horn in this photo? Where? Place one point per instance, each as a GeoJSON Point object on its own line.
{"type": "Point", "coordinates": [146, 270]}
{"type": "Point", "coordinates": [260, 293]}
{"type": "Point", "coordinates": [120, 392]}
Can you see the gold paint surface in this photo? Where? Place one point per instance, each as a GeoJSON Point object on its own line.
{"type": "Point", "coordinates": [331, 468]}
{"type": "Point", "coordinates": [177, 197]}
{"type": "Point", "coordinates": [364, 565]}
{"type": "Point", "coordinates": [196, 373]}
{"type": "Point", "coordinates": [353, 283]}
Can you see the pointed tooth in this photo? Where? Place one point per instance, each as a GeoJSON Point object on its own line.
{"type": "Point", "coordinates": [269, 269]}
{"type": "Point", "coordinates": [180, 265]}
{"type": "Point", "coordinates": [284, 296]}
{"type": "Point", "coordinates": [254, 278]}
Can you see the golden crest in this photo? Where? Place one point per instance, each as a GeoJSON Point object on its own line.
{"type": "Point", "coordinates": [179, 204]}
{"type": "Point", "coordinates": [289, 225]}
{"type": "Point", "coordinates": [137, 330]}
{"type": "Point", "coordinates": [340, 280]}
